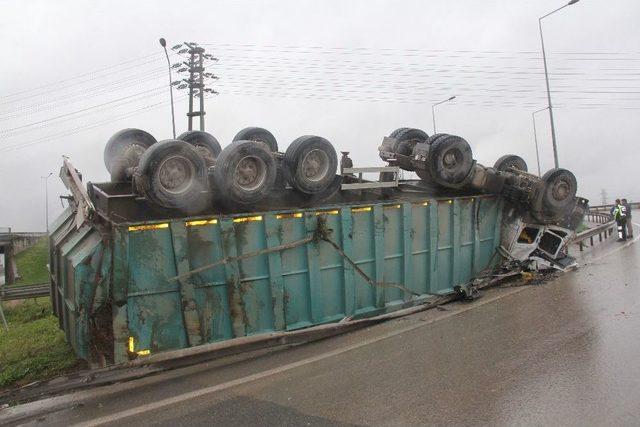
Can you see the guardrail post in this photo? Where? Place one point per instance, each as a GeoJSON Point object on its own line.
{"type": "Point", "coordinates": [580, 244]}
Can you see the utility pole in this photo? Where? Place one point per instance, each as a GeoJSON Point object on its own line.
{"type": "Point", "coordinates": [433, 111]}
{"type": "Point", "coordinates": [546, 78]}
{"type": "Point", "coordinates": [535, 137]}
{"type": "Point", "coordinates": [196, 80]}
{"type": "Point", "coordinates": [163, 43]}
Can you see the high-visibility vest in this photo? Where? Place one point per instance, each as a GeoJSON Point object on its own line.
{"type": "Point", "coordinates": [619, 212]}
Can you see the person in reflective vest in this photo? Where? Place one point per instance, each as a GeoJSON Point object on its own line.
{"type": "Point", "coordinates": [619, 213]}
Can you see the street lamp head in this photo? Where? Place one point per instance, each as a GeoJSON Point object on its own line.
{"type": "Point", "coordinates": [572, 2]}
{"type": "Point", "coordinates": [452, 98]}
{"type": "Point", "coordinates": [163, 42]}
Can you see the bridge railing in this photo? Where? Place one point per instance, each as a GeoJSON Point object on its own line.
{"type": "Point", "coordinates": [607, 208]}
{"type": "Point", "coordinates": [604, 229]}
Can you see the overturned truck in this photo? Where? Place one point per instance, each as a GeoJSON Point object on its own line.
{"type": "Point", "coordinates": [192, 244]}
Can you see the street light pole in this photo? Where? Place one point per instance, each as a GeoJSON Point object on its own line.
{"type": "Point", "coordinates": [163, 43]}
{"type": "Point", "coordinates": [546, 76]}
{"type": "Point", "coordinates": [535, 136]}
{"type": "Point", "coordinates": [433, 111]}
{"type": "Point", "coordinates": [46, 200]}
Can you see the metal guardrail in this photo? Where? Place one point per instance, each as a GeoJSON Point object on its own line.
{"type": "Point", "coordinates": [8, 293]}
{"type": "Point", "coordinates": [607, 208]}
{"type": "Point", "coordinates": [606, 226]}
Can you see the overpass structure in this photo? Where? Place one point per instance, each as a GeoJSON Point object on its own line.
{"type": "Point", "coordinates": [10, 245]}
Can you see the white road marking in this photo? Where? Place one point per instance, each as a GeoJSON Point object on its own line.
{"type": "Point", "coordinates": [223, 386]}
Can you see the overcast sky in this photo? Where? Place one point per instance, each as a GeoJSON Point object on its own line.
{"type": "Point", "coordinates": [348, 70]}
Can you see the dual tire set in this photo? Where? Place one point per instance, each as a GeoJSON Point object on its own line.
{"type": "Point", "coordinates": [184, 173]}
{"type": "Point", "coordinates": [447, 161]}
{"type": "Point", "coordinates": [443, 159]}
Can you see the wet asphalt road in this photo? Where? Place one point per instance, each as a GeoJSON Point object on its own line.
{"type": "Point", "coordinates": [562, 353]}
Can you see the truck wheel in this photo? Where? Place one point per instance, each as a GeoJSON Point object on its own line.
{"type": "Point", "coordinates": [128, 145]}
{"type": "Point", "coordinates": [395, 133]}
{"type": "Point", "coordinates": [505, 163]}
{"type": "Point", "coordinates": [245, 172]}
{"type": "Point", "coordinates": [559, 187]}
{"type": "Point", "coordinates": [204, 143]}
{"type": "Point", "coordinates": [311, 163]}
{"type": "Point", "coordinates": [450, 160]}
{"type": "Point", "coordinates": [258, 135]}
{"type": "Point", "coordinates": [407, 139]}
{"type": "Point", "coordinates": [172, 174]}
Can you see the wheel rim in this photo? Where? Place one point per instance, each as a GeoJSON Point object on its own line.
{"type": "Point", "coordinates": [176, 174]}
{"type": "Point", "coordinates": [451, 159]}
{"type": "Point", "coordinates": [132, 154]}
{"type": "Point", "coordinates": [250, 173]}
{"type": "Point", "coordinates": [560, 190]}
{"type": "Point", "coordinates": [315, 165]}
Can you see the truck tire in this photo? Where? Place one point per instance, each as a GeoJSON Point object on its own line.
{"type": "Point", "coordinates": [205, 143]}
{"type": "Point", "coordinates": [506, 162]}
{"type": "Point", "coordinates": [407, 139]}
{"type": "Point", "coordinates": [172, 174]}
{"type": "Point", "coordinates": [450, 160]}
{"type": "Point", "coordinates": [311, 163]}
{"type": "Point", "coordinates": [245, 172]}
{"type": "Point", "coordinates": [420, 155]}
{"type": "Point", "coordinates": [127, 144]}
{"type": "Point", "coordinates": [557, 193]}
{"type": "Point", "coordinates": [258, 135]}
{"type": "Point", "coordinates": [395, 133]}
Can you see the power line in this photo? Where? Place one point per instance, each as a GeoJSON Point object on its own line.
{"type": "Point", "coordinates": [79, 111]}
{"type": "Point", "coordinates": [110, 67]}
{"type": "Point", "coordinates": [272, 61]}
{"type": "Point", "coordinates": [404, 52]}
{"type": "Point", "coordinates": [386, 97]}
{"type": "Point", "coordinates": [80, 129]}
{"type": "Point", "coordinates": [79, 115]}
{"type": "Point", "coordinates": [73, 97]}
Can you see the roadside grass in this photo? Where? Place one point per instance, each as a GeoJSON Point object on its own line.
{"type": "Point", "coordinates": [33, 348]}
{"type": "Point", "coordinates": [32, 264]}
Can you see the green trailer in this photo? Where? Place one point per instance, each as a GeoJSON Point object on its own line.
{"type": "Point", "coordinates": [131, 281]}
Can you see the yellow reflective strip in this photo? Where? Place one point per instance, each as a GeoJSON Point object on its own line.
{"type": "Point", "coordinates": [148, 227]}
{"type": "Point", "coordinates": [248, 219]}
{"type": "Point", "coordinates": [393, 206]}
{"type": "Point", "coordinates": [334, 212]}
{"type": "Point", "coordinates": [450, 201]}
{"type": "Point", "coordinates": [365, 209]}
{"type": "Point", "coordinates": [289, 215]}
{"type": "Point", "coordinates": [131, 344]}
{"type": "Point", "coordinates": [144, 352]}
{"type": "Point", "coordinates": [200, 222]}
{"type": "Point", "coordinates": [425, 204]}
